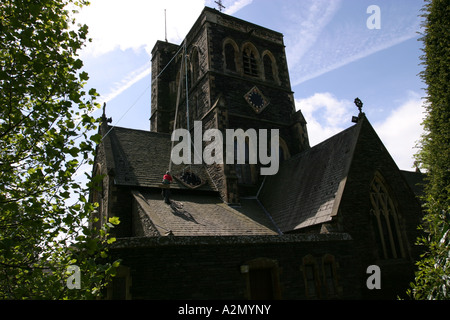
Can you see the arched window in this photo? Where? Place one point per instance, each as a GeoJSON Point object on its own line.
{"type": "Point", "coordinates": [119, 287]}
{"type": "Point", "coordinates": [243, 170]}
{"type": "Point", "coordinates": [195, 66]}
{"type": "Point", "coordinates": [385, 219]}
{"type": "Point", "coordinates": [97, 197]}
{"type": "Point", "coordinates": [230, 57]}
{"type": "Point", "coordinates": [284, 151]}
{"type": "Point", "coordinates": [330, 275]}
{"type": "Point", "coordinates": [250, 61]}
{"type": "Point", "coordinates": [268, 68]}
{"type": "Point", "coordinates": [311, 277]}
{"type": "Point", "coordinates": [262, 277]}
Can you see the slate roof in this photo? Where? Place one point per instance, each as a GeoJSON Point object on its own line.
{"type": "Point", "coordinates": [306, 191]}
{"type": "Point", "coordinates": [308, 187]}
{"type": "Point", "coordinates": [140, 158]}
{"type": "Point", "coordinates": [203, 215]}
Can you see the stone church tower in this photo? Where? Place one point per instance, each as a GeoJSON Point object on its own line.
{"type": "Point", "coordinates": [228, 74]}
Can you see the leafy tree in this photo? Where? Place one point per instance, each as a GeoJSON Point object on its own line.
{"type": "Point", "coordinates": [433, 276]}
{"type": "Point", "coordinates": [45, 125]}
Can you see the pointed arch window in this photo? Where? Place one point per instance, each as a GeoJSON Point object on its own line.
{"type": "Point", "coordinates": [230, 57]}
{"type": "Point", "coordinates": [250, 61]}
{"type": "Point", "coordinates": [195, 66]}
{"type": "Point", "coordinates": [97, 197]}
{"type": "Point", "coordinates": [311, 277]}
{"type": "Point", "coordinates": [283, 151]}
{"type": "Point", "coordinates": [330, 279]}
{"type": "Point", "coordinates": [385, 219]}
{"type": "Point", "coordinates": [268, 68]}
{"type": "Point", "coordinates": [244, 170]}
{"type": "Point", "coordinates": [262, 277]}
{"type": "Point", "coordinates": [119, 287]}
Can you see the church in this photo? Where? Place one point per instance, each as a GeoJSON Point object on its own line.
{"type": "Point", "coordinates": [312, 230]}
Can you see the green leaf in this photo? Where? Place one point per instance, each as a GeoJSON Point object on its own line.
{"type": "Point", "coordinates": [114, 220]}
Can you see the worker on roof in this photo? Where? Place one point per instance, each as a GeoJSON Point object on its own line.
{"type": "Point", "coordinates": [167, 180]}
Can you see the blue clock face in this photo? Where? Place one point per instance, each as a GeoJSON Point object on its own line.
{"type": "Point", "coordinates": [256, 99]}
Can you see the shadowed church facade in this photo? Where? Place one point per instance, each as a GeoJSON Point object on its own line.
{"type": "Point", "coordinates": [308, 232]}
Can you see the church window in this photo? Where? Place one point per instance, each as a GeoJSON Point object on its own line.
{"type": "Point", "coordinates": [243, 171]}
{"type": "Point", "coordinates": [385, 219]}
{"type": "Point", "coordinates": [261, 287]}
{"type": "Point", "coordinates": [281, 154]}
{"type": "Point", "coordinates": [250, 62]}
{"type": "Point", "coordinates": [311, 277]}
{"type": "Point", "coordinates": [268, 68]}
{"type": "Point", "coordinates": [310, 280]}
{"type": "Point", "coordinates": [195, 66]}
{"type": "Point", "coordinates": [329, 275]}
{"type": "Point", "coordinates": [230, 57]}
{"type": "Point", "coordinates": [262, 277]}
{"type": "Point", "coordinates": [283, 151]}
{"type": "Point", "coordinates": [119, 287]}
{"type": "Point", "coordinates": [97, 197]}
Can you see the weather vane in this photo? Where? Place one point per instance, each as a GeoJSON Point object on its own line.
{"type": "Point", "coordinates": [221, 6]}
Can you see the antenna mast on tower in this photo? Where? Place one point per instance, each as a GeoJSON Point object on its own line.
{"type": "Point", "coordinates": [165, 23]}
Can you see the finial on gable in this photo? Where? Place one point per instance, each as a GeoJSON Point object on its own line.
{"type": "Point", "coordinates": [359, 104]}
{"type": "Point", "coordinates": [104, 119]}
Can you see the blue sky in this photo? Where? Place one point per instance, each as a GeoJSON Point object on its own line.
{"type": "Point", "coordinates": [333, 58]}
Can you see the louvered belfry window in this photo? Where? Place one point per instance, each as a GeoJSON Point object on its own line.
{"type": "Point", "coordinates": [250, 63]}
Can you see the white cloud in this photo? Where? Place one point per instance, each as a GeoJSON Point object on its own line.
{"type": "Point", "coordinates": [327, 115]}
{"type": "Point", "coordinates": [236, 6]}
{"type": "Point", "coordinates": [125, 83]}
{"type": "Point", "coordinates": [345, 51]}
{"type": "Point", "coordinates": [138, 24]}
{"type": "Point", "coordinates": [327, 35]}
{"type": "Point", "coordinates": [402, 129]}
{"type": "Point", "coordinates": [306, 21]}
{"type": "Point", "coordinates": [133, 24]}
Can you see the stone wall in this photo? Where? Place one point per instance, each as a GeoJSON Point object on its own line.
{"type": "Point", "coordinates": [210, 267]}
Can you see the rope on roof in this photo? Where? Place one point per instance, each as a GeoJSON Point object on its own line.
{"type": "Point", "coordinates": [183, 61]}
{"type": "Point", "coordinates": [143, 92]}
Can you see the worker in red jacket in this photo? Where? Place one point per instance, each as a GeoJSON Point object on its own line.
{"type": "Point", "coordinates": [167, 180]}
